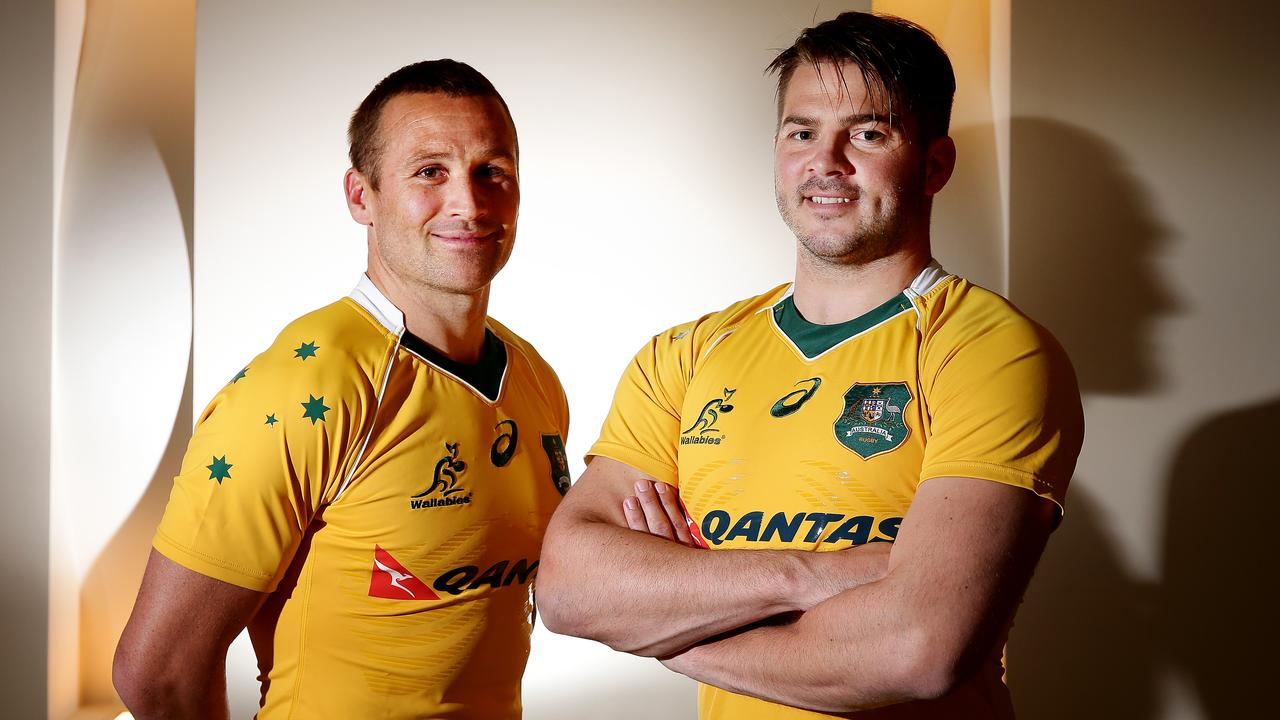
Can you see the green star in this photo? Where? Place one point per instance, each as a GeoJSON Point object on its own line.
{"type": "Point", "coordinates": [315, 408]}
{"type": "Point", "coordinates": [271, 419]}
{"type": "Point", "coordinates": [240, 374]}
{"type": "Point", "coordinates": [307, 350]}
{"type": "Point", "coordinates": [220, 469]}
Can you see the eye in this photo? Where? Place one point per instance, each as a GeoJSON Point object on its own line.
{"type": "Point", "coordinates": [431, 172]}
{"type": "Point", "coordinates": [802, 135]}
{"type": "Point", "coordinates": [868, 136]}
{"type": "Point", "coordinates": [491, 171]}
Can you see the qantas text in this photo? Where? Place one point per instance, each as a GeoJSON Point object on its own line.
{"type": "Point", "coordinates": [470, 577]}
{"type": "Point", "coordinates": [719, 526]}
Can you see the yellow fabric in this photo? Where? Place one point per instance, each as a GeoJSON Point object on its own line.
{"type": "Point", "coordinates": [271, 514]}
{"type": "Point", "coordinates": [721, 408]}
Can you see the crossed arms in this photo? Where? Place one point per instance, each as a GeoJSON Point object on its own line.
{"type": "Point", "coordinates": [787, 626]}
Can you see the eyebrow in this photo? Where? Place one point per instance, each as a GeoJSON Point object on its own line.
{"type": "Point", "coordinates": [806, 121]}
{"type": "Point", "coordinates": [430, 156]}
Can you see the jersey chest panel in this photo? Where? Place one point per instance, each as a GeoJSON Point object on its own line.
{"type": "Point", "coordinates": [779, 451]}
{"type": "Point", "coordinates": [414, 587]}
{"type": "Point", "coordinates": [449, 481]}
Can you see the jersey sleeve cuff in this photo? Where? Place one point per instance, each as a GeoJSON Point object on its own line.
{"type": "Point", "coordinates": [656, 469]}
{"type": "Point", "coordinates": [1054, 492]}
{"type": "Point", "coordinates": [212, 567]}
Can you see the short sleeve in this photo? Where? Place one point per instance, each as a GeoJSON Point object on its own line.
{"type": "Point", "coordinates": [268, 452]}
{"type": "Point", "coordinates": [643, 425]}
{"type": "Point", "coordinates": [1003, 405]}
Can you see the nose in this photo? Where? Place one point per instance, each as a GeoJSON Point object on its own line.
{"type": "Point", "coordinates": [462, 198]}
{"type": "Point", "coordinates": [831, 157]}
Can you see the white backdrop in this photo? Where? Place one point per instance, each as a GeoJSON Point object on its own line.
{"type": "Point", "coordinates": [645, 134]}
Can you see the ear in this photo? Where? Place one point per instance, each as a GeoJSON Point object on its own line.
{"type": "Point", "coordinates": [355, 187]}
{"type": "Point", "coordinates": [939, 163]}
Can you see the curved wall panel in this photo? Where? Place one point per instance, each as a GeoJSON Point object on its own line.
{"type": "Point", "coordinates": [122, 333]}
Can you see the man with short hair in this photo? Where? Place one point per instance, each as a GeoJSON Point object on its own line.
{"type": "Point", "coordinates": [369, 494]}
{"type": "Point", "coordinates": [869, 460]}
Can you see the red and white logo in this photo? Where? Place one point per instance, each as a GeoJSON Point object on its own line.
{"type": "Point", "coordinates": [392, 580]}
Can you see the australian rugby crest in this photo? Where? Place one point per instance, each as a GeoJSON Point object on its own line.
{"type": "Point", "coordinates": [872, 421]}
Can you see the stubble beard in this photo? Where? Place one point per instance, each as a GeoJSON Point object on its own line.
{"type": "Point", "coordinates": [431, 269]}
{"type": "Point", "coordinates": [873, 238]}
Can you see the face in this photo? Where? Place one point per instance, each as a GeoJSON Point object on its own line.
{"type": "Point", "coordinates": [852, 188]}
{"type": "Point", "coordinates": [443, 218]}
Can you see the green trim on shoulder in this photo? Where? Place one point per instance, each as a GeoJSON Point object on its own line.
{"type": "Point", "coordinates": [813, 339]}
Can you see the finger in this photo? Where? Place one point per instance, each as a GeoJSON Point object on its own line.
{"type": "Point", "coordinates": [654, 515]}
{"type": "Point", "coordinates": [670, 501]}
{"type": "Point", "coordinates": [635, 516]}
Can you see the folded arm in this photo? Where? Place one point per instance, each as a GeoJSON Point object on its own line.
{"type": "Point", "coordinates": [171, 660]}
{"type": "Point", "coordinates": [959, 566]}
{"type": "Point", "coordinates": [647, 595]}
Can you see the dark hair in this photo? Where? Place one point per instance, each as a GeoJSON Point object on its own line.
{"type": "Point", "coordinates": [901, 63]}
{"type": "Point", "coordinates": [449, 77]}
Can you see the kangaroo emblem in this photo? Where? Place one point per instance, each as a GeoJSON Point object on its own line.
{"type": "Point", "coordinates": [706, 422]}
{"type": "Point", "coordinates": [445, 477]}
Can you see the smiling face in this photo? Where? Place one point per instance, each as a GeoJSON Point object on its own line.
{"type": "Point", "coordinates": [852, 187]}
{"type": "Point", "coordinates": [443, 216]}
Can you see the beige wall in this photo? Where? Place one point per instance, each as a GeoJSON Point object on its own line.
{"type": "Point", "coordinates": [26, 295]}
{"type": "Point", "coordinates": [1143, 233]}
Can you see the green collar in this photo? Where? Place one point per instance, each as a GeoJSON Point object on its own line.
{"type": "Point", "coordinates": [813, 339]}
{"type": "Point", "coordinates": [485, 377]}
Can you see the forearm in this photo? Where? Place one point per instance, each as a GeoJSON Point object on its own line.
{"type": "Point", "coordinates": [649, 596]}
{"type": "Point", "coordinates": [960, 563]}
{"type": "Point", "coordinates": [855, 651]}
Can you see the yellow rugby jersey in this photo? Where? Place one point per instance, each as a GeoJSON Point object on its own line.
{"type": "Point", "coordinates": [782, 434]}
{"type": "Point", "coordinates": [391, 502]}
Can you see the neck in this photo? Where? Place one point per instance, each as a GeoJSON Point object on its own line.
{"type": "Point", "coordinates": [828, 293]}
{"type": "Point", "coordinates": [452, 323]}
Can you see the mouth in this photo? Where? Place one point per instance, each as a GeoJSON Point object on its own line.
{"type": "Point", "coordinates": [465, 237]}
{"type": "Point", "coordinates": [827, 199]}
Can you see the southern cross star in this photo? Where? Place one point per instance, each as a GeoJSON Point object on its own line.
{"type": "Point", "coordinates": [220, 469]}
{"type": "Point", "coordinates": [315, 408]}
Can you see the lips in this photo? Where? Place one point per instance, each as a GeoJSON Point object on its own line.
{"type": "Point", "coordinates": [465, 237]}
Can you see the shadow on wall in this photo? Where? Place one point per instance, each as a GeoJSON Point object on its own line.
{"type": "Point", "coordinates": [1092, 642]}
{"type": "Point", "coordinates": [1219, 619]}
{"type": "Point", "coordinates": [1082, 243]}
{"type": "Point", "coordinates": [1088, 641]}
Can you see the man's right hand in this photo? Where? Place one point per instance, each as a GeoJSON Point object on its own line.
{"type": "Point", "coordinates": [656, 509]}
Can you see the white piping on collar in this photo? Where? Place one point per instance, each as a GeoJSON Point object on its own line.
{"type": "Point", "coordinates": [929, 277]}
{"type": "Point", "coordinates": [368, 296]}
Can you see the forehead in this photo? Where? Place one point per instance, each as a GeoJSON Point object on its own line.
{"type": "Point", "coordinates": [830, 87]}
{"type": "Point", "coordinates": [412, 122]}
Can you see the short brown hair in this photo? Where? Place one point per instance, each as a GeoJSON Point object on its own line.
{"type": "Point", "coordinates": [901, 63]}
{"type": "Point", "coordinates": [450, 77]}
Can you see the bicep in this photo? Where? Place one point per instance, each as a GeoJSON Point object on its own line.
{"type": "Point", "coordinates": [597, 496]}
{"type": "Point", "coordinates": [964, 555]}
{"type": "Point", "coordinates": [183, 618]}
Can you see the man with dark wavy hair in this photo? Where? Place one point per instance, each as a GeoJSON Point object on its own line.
{"type": "Point", "coordinates": [828, 499]}
{"type": "Point", "coordinates": [368, 495]}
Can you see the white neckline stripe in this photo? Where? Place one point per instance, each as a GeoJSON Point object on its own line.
{"type": "Point", "coordinates": [373, 422]}
{"type": "Point", "coordinates": [368, 296]}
